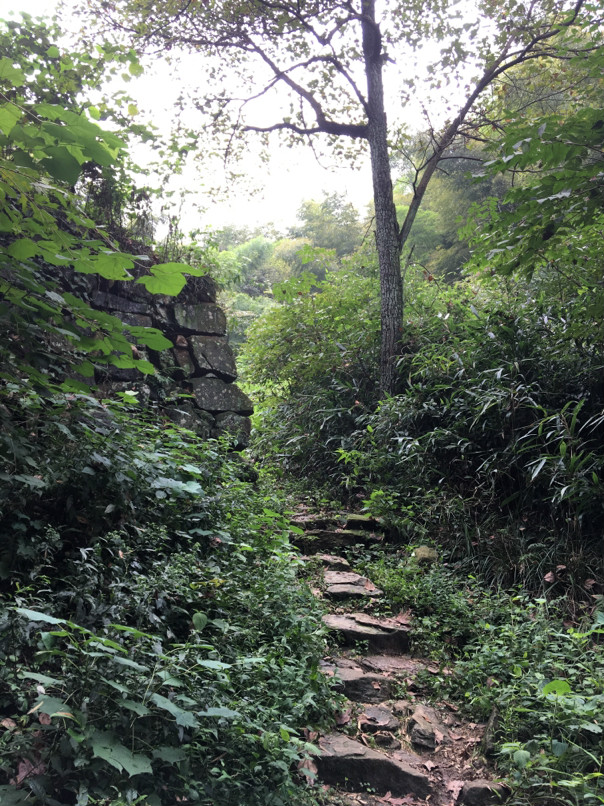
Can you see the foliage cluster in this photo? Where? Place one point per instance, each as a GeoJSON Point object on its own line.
{"type": "Point", "coordinates": [514, 659]}
{"type": "Point", "coordinates": [155, 645]}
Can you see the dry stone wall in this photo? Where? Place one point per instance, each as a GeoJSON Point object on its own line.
{"type": "Point", "coordinates": [195, 383]}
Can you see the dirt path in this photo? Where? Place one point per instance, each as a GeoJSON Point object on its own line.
{"type": "Point", "coordinates": [388, 746]}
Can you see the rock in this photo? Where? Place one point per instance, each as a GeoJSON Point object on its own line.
{"type": "Point", "coordinates": [425, 728]}
{"type": "Point", "coordinates": [237, 427]}
{"type": "Point", "coordinates": [378, 718]}
{"type": "Point", "coordinates": [380, 634]}
{"type": "Point", "coordinates": [213, 394]}
{"type": "Point", "coordinates": [425, 555]}
{"type": "Point", "coordinates": [213, 354]}
{"type": "Point", "coordinates": [401, 665]}
{"type": "Point", "coordinates": [205, 318]}
{"type": "Point", "coordinates": [350, 764]}
{"type": "Point", "coordinates": [488, 740]}
{"type": "Point", "coordinates": [358, 685]}
{"type": "Point", "coordinates": [351, 592]}
{"type": "Point", "coordinates": [113, 302]}
{"type": "Point", "coordinates": [187, 416]}
{"type": "Point", "coordinates": [138, 319]}
{"type": "Point", "coordinates": [328, 539]}
{"type": "Point", "coordinates": [330, 560]}
{"type": "Point", "coordinates": [344, 584]}
{"type": "Point", "coordinates": [482, 793]}
{"type": "Point", "coordinates": [363, 522]}
{"type": "Point", "coordinates": [387, 740]}
{"type": "Point", "coordinates": [184, 361]}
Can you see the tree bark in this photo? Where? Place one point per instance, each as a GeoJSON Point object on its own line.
{"type": "Point", "coordinates": [386, 225]}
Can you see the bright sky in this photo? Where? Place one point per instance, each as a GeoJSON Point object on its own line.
{"type": "Point", "coordinates": [291, 177]}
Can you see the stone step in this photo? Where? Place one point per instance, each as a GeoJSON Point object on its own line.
{"type": "Point", "coordinates": [383, 635]}
{"type": "Point", "coordinates": [350, 764]}
{"type": "Point", "coordinates": [356, 683]}
{"type": "Point", "coordinates": [317, 541]}
{"type": "Point", "coordinates": [331, 561]}
{"type": "Point", "coordinates": [365, 522]}
{"type": "Point", "coordinates": [346, 584]}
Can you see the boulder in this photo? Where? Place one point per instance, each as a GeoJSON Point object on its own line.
{"type": "Point", "coordinates": [186, 415]}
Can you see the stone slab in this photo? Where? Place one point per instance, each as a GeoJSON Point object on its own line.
{"type": "Point", "coordinates": [378, 718]}
{"type": "Point", "coordinates": [205, 318]}
{"type": "Point", "coordinates": [330, 560]}
{"type": "Point", "coordinates": [213, 354]}
{"type": "Point", "coordinates": [236, 426]}
{"type": "Point", "coordinates": [347, 763]}
{"type": "Point", "coordinates": [355, 627]}
{"type": "Point", "coordinates": [326, 540]}
{"type": "Point", "coordinates": [215, 395]}
{"type": "Point", "coordinates": [365, 522]}
{"type": "Point", "coordinates": [358, 685]}
{"type": "Point", "coordinates": [351, 592]}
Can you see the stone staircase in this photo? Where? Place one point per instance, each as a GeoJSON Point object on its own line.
{"type": "Point", "coordinates": [387, 747]}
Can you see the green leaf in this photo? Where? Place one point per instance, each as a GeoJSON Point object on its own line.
{"type": "Point", "coordinates": [129, 663]}
{"type": "Point", "coordinates": [184, 718]}
{"type": "Point", "coordinates": [137, 707]}
{"type": "Point", "coordinates": [61, 164]}
{"type": "Point", "coordinates": [11, 75]}
{"type": "Point", "coordinates": [33, 615]}
{"type": "Point", "coordinates": [225, 713]}
{"type": "Point", "coordinates": [150, 336]}
{"type": "Point", "coordinates": [167, 278]}
{"type": "Point", "coordinates": [53, 707]}
{"type": "Point", "coordinates": [9, 115]}
{"type": "Point", "coordinates": [53, 52]}
{"type": "Point", "coordinates": [106, 746]}
{"type": "Point", "coordinates": [213, 664]}
{"type": "Point", "coordinates": [522, 758]}
{"type": "Point", "coordinates": [23, 248]}
{"type": "Point", "coordinates": [557, 687]}
{"type": "Point", "coordinates": [172, 755]}
{"type": "Point", "coordinates": [199, 621]}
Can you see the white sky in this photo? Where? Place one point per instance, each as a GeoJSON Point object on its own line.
{"type": "Point", "coordinates": [292, 176]}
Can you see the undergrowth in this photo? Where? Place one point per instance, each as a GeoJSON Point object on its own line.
{"type": "Point", "coordinates": [155, 646]}
{"type": "Point", "coordinates": [516, 659]}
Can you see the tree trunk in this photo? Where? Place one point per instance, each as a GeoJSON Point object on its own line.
{"type": "Point", "coordinates": [386, 225]}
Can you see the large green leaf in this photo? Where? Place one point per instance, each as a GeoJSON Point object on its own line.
{"type": "Point", "coordinates": [167, 278]}
{"type": "Point", "coordinates": [10, 75]}
{"type": "Point", "coordinates": [149, 336]}
{"type": "Point", "coordinates": [106, 746]}
{"type": "Point", "coordinates": [61, 164]}
{"type": "Point", "coordinates": [184, 718]}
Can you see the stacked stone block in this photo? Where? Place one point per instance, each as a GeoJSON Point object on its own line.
{"type": "Point", "coordinates": [199, 372]}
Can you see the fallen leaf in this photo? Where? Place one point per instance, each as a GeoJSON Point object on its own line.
{"type": "Point", "coordinates": [549, 577]}
{"type": "Point", "coordinates": [8, 723]}
{"type": "Point", "coordinates": [25, 769]}
{"type": "Point", "coordinates": [429, 765]}
{"type": "Point", "coordinates": [44, 719]}
{"type": "Point", "coordinates": [343, 717]}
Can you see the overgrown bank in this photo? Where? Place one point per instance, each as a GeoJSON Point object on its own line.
{"type": "Point", "coordinates": [155, 644]}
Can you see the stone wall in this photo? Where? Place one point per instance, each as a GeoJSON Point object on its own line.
{"type": "Point", "coordinates": [195, 383]}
